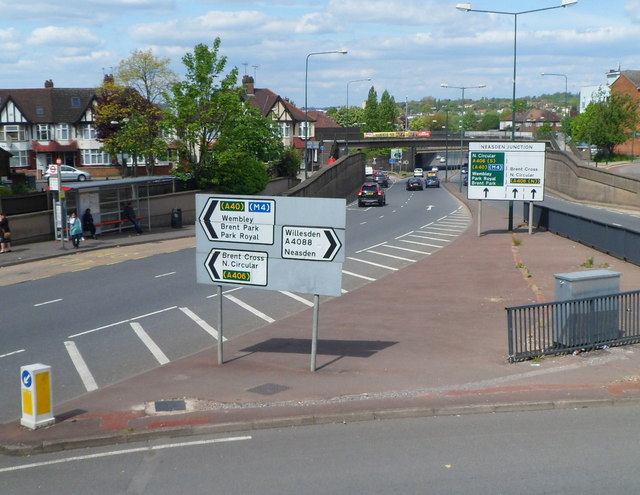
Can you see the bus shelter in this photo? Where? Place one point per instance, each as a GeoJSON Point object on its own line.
{"type": "Point", "coordinates": [106, 199]}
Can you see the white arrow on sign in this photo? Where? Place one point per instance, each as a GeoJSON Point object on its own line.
{"type": "Point", "coordinates": [309, 243]}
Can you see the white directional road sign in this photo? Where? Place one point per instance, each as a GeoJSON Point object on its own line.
{"type": "Point", "coordinates": [239, 220]}
{"type": "Point", "coordinates": [506, 171]}
{"type": "Point", "coordinates": [237, 267]}
{"type": "Point", "coordinates": [309, 243]}
{"type": "Point", "coordinates": [298, 242]}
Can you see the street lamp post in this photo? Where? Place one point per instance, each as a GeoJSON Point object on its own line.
{"type": "Point", "coordinates": [566, 97]}
{"type": "Point", "coordinates": [346, 139]}
{"type": "Point", "coordinates": [306, 108]}
{"type": "Point", "coordinates": [467, 8]}
{"type": "Point", "coordinates": [445, 85]}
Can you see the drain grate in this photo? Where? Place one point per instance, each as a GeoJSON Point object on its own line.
{"type": "Point", "coordinates": [269, 389]}
{"type": "Point", "coordinates": [170, 405]}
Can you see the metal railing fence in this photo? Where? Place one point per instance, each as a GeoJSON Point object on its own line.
{"type": "Point", "coordinates": [565, 326]}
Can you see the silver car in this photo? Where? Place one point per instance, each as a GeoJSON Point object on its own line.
{"type": "Point", "coordinates": [67, 173]}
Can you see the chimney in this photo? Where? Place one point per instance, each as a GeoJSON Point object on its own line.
{"type": "Point", "coordinates": [48, 83]}
{"type": "Point", "coordinates": [247, 82]}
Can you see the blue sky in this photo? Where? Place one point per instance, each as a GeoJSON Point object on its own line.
{"type": "Point", "coordinates": [407, 47]}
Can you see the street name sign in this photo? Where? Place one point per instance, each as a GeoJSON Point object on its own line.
{"type": "Point", "coordinates": [506, 171]}
{"type": "Point", "coordinates": [239, 220]}
{"type": "Point", "coordinates": [309, 243]}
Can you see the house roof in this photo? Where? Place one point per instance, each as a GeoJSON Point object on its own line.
{"type": "Point", "coordinates": [534, 115]}
{"type": "Point", "coordinates": [322, 119]}
{"type": "Point", "coordinates": [49, 105]}
{"type": "Point", "coordinates": [633, 76]}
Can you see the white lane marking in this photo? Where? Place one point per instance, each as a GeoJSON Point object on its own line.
{"type": "Point", "coordinates": [202, 324]}
{"type": "Point", "coordinates": [434, 233]}
{"type": "Point", "coordinates": [374, 264]}
{"type": "Point", "coordinates": [11, 353]}
{"type": "Point", "coordinates": [125, 451]}
{"type": "Point", "coordinates": [296, 297]}
{"type": "Point", "coordinates": [393, 256]}
{"type": "Point", "coordinates": [371, 247]}
{"type": "Point", "coordinates": [165, 274]}
{"type": "Point", "coordinates": [160, 356]}
{"type": "Point", "coordinates": [224, 292]}
{"type": "Point", "coordinates": [251, 309]}
{"type": "Point", "coordinates": [358, 275]}
{"type": "Point", "coordinates": [420, 243]}
{"type": "Point", "coordinates": [424, 243]}
{"type": "Point", "coordinates": [47, 302]}
{"type": "Point", "coordinates": [121, 322]}
{"type": "Point", "coordinates": [81, 366]}
{"type": "Point", "coordinates": [435, 227]}
{"type": "Point", "coordinates": [406, 249]}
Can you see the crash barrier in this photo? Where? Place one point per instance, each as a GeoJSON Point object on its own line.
{"type": "Point", "coordinates": [615, 240]}
{"type": "Point", "coordinates": [577, 325]}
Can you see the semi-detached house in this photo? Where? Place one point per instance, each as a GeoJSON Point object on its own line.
{"type": "Point", "coordinates": [37, 126]}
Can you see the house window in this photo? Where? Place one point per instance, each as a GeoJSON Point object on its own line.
{"type": "Point", "coordinates": [285, 130]}
{"type": "Point", "coordinates": [95, 157]}
{"type": "Point", "coordinates": [304, 130]}
{"type": "Point", "coordinates": [75, 101]}
{"type": "Point", "coordinates": [39, 111]}
{"type": "Point", "coordinates": [44, 132]}
{"type": "Point", "coordinates": [62, 132]}
{"type": "Point", "coordinates": [87, 131]}
{"type": "Point", "coordinates": [12, 133]}
{"type": "Point", "coordinates": [19, 159]}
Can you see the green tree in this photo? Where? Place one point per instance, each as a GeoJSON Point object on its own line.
{"type": "Point", "coordinates": [371, 117]}
{"type": "Point", "coordinates": [388, 112]}
{"type": "Point", "coordinates": [126, 122]}
{"type": "Point", "coordinates": [239, 172]}
{"type": "Point", "coordinates": [489, 121]}
{"type": "Point", "coordinates": [199, 106]}
{"type": "Point", "coordinates": [288, 165]}
{"type": "Point", "coordinates": [606, 122]}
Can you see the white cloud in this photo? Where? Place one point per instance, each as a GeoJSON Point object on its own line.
{"type": "Point", "coordinates": [63, 36]}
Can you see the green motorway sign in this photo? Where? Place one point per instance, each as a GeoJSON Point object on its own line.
{"type": "Point", "coordinates": [486, 169]}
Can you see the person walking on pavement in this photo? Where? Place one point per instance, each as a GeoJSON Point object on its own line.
{"type": "Point", "coordinates": [129, 213]}
{"type": "Point", "coordinates": [75, 229]}
{"type": "Point", "coordinates": [5, 234]}
{"type": "Point", "coordinates": [87, 223]}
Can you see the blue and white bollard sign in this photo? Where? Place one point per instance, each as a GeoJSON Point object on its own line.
{"type": "Point", "coordinates": [35, 384]}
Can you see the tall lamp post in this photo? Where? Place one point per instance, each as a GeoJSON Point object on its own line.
{"type": "Point", "coordinates": [306, 108]}
{"type": "Point", "coordinates": [467, 8]}
{"type": "Point", "coordinates": [566, 96]}
{"type": "Point", "coordinates": [346, 139]}
{"type": "Point", "coordinates": [445, 85]}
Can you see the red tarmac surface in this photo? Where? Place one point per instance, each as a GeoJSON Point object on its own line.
{"type": "Point", "coordinates": [438, 347]}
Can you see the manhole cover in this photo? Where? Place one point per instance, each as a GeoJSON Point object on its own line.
{"type": "Point", "coordinates": [170, 405]}
{"type": "Point", "coordinates": [268, 389]}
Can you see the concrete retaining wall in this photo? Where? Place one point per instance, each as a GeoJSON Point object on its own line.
{"type": "Point", "coordinates": [567, 177]}
{"type": "Point", "coordinates": [341, 179]}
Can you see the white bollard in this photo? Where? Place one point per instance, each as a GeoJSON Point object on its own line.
{"type": "Point", "coordinates": [35, 384]}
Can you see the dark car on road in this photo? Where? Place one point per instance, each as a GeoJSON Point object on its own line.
{"type": "Point", "coordinates": [382, 179]}
{"type": "Point", "coordinates": [371, 194]}
{"type": "Point", "coordinates": [432, 180]}
{"type": "Point", "coordinates": [414, 184]}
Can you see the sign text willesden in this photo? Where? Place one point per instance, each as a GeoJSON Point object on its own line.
{"type": "Point", "coordinates": [309, 243]}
